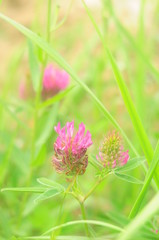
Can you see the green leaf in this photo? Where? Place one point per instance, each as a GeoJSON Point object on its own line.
{"type": "Point", "coordinates": [61, 62]}
{"type": "Point", "coordinates": [131, 164]}
{"type": "Point", "coordinates": [146, 214]}
{"type": "Point", "coordinates": [147, 182]}
{"type": "Point", "coordinates": [50, 183]}
{"type": "Point", "coordinates": [128, 178]}
{"type": "Point", "coordinates": [34, 67]}
{"type": "Point", "coordinates": [48, 194]}
{"type": "Point", "coordinates": [24, 189]}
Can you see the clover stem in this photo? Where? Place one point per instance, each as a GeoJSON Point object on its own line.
{"type": "Point", "coordinates": [84, 218]}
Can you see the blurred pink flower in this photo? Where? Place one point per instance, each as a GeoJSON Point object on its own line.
{"type": "Point", "coordinates": [22, 90]}
{"type": "Point", "coordinates": [54, 80]}
{"type": "Point", "coordinates": [70, 149]}
{"type": "Point", "coordinates": [111, 152]}
{"type": "Point", "coordinates": [25, 90]}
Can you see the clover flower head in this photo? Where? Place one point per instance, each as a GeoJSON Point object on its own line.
{"type": "Point", "coordinates": [54, 80]}
{"type": "Point", "coordinates": [111, 153]}
{"type": "Point", "coordinates": [70, 149]}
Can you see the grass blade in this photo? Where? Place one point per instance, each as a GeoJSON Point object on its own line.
{"type": "Point", "coordinates": [149, 210]}
{"type": "Point", "coordinates": [93, 222]}
{"type": "Point", "coordinates": [55, 98]}
{"type": "Point", "coordinates": [147, 182]}
{"type": "Point", "coordinates": [24, 189]}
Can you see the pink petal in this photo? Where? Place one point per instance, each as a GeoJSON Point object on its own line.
{"type": "Point", "coordinates": [87, 141]}
{"type": "Point", "coordinates": [57, 128]}
{"type": "Point", "coordinates": [126, 157]}
{"type": "Point", "coordinates": [114, 164]}
{"type": "Point", "coordinates": [49, 78]}
{"type": "Point", "coordinates": [62, 79]}
{"type": "Point", "coordinates": [80, 133]}
{"type": "Point", "coordinates": [70, 128]}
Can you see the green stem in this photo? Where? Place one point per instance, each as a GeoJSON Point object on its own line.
{"type": "Point", "coordinates": [93, 188]}
{"type": "Point", "coordinates": [61, 216]}
{"type": "Point", "coordinates": [95, 185]}
{"type": "Point", "coordinates": [84, 218]}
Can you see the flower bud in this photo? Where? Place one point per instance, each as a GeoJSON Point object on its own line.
{"type": "Point", "coordinates": [54, 80]}
{"type": "Point", "coordinates": [111, 154]}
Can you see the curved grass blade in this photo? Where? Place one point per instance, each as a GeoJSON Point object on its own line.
{"type": "Point", "coordinates": [61, 62]}
{"type": "Point", "coordinates": [35, 237]}
{"type": "Point", "coordinates": [92, 222]}
{"type": "Point", "coordinates": [146, 214]}
{"type": "Point", "coordinates": [147, 182]}
{"type": "Point", "coordinates": [68, 237]}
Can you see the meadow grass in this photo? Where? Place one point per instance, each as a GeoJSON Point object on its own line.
{"type": "Point", "coordinates": [114, 83]}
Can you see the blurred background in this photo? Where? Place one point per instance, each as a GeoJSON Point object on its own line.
{"type": "Point", "coordinates": [130, 29]}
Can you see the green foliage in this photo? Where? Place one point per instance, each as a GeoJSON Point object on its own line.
{"type": "Point", "coordinates": [128, 178]}
{"type": "Point", "coordinates": [93, 47]}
